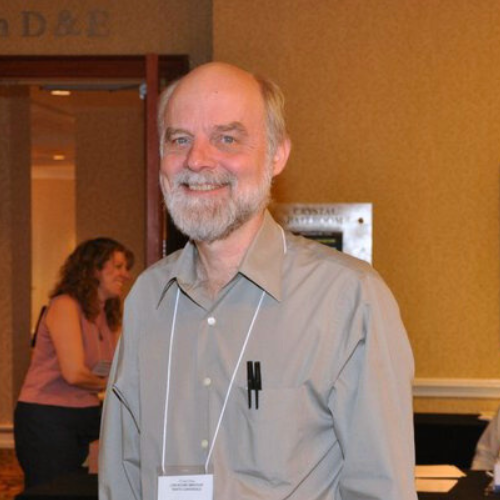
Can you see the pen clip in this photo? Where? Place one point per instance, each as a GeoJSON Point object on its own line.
{"type": "Point", "coordinates": [257, 384]}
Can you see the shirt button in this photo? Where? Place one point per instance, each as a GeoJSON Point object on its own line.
{"type": "Point", "coordinates": [207, 381]}
{"type": "Point", "coordinates": [211, 321]}
{"type": "Point", "coordinates": [204, 443]}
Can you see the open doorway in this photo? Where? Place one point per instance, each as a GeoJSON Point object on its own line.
{"type": "Point", "coordinates": [86, 174]}
{"type": "Point", "coordinates": [155, 71]}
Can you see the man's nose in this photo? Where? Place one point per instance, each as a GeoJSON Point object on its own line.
{"type": "Point", "coordinates": [201, 155]}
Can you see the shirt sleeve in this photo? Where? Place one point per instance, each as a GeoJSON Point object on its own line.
{"type": "Point", "coordinates": [488, 446]}
{"type": "Point", "coordinates": [119, 459]}
{"type": "Point", "coordinates": [371, 401]}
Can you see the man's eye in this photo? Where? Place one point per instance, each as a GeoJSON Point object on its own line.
{"type": "Point", "coordinates": [227, 139]}
{"type": "Point", "coordinates": [179, 141]}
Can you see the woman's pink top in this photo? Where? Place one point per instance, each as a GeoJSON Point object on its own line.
{"type": "Point", "coordinates": [44, 383]}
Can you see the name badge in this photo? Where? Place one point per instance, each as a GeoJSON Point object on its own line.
{"type": "Point", "coordinates": [199, 487]}
{"type": "Point", "coordinates": [185, 483]}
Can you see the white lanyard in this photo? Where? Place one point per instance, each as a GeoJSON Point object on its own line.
{"type": "Point", "coordinates": [167, 396]}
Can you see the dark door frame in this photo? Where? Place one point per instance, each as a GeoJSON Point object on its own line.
{"type": "Point", "coordinates": [151, 68]}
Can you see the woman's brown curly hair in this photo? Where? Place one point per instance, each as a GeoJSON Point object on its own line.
{"type": "Point", "coordinates": [77, 278]}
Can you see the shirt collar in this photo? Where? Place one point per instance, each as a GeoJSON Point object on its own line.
{"type": "Point", "coordinates": [262, 263]}
{"type": "Point", "coordinates": [182, 270]}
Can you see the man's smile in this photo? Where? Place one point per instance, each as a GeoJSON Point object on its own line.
{"type": "Point", "coordinates": [203, 187]}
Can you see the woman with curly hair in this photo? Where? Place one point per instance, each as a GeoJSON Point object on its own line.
{"type": "Point", "coordinates": [58, 411]}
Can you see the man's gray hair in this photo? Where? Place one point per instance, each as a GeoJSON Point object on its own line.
{"type": "Point", "coordinates": [274, 103]}
{"type": "Point", "coordinates": [162, 108]}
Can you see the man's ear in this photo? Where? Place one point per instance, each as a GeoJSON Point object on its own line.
{"type": "Point", "coordinates": [281, 155]}
{"type": "Point", "coordinates": [163, 187]}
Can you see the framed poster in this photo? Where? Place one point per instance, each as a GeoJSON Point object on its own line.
{"type": "Point", "coordinates": [344, 226]}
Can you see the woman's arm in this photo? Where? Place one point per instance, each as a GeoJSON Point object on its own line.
{"type": "Point", "coordinates": [63, 321]}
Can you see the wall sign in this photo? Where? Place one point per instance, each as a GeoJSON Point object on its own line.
{"type": "Point", "coordinates": [36, 24]}
{"type": "Point", "coordinates": [344, 226]}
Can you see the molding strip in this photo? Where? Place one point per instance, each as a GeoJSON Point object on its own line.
{"type": "Point", "coordinates": [6, 436]}
{"type": "Point", "coordinates": [466, 388]}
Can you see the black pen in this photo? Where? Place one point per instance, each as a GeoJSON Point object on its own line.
{"type": "Point", "coordinates": [250, 382]}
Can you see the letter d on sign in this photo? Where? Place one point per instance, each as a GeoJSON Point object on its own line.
{"type": "Point", "coordinates": [33, 23]}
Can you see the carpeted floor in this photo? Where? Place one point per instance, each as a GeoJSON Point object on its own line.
{"type": "Point", "coordinates": [11, 475]}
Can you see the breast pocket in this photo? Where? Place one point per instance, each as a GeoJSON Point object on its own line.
{"type": "Point", "coordinates": [267, 443]}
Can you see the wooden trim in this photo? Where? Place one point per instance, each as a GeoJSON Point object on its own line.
{"type": "Point", "coordinates": [154, 215]}
{"type": "Point", "coordinates": [112, 67]}
{"type": "Point", "coordinates": [6, 436]}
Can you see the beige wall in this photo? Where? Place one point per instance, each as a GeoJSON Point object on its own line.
{"type": "Point", "coordinates": [54, 236]}
{"type": "Point", "coordinates": [397, 102]}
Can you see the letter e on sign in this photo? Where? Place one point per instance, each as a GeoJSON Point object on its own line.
{"type": "Point", "coordinates": [98, 24]}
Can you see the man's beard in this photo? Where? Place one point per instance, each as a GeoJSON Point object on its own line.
{"type": "Point", "coordinates": [216, 217]}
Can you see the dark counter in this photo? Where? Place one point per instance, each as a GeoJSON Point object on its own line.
{"type": "Point", "coordinates": [442, 438]}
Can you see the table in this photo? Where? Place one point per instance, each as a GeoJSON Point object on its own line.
{"type": "Point", "coordinates": [442, 438]}
{"type": "Point", "coordinates": [470, 487]}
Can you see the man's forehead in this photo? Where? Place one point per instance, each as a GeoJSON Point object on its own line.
{"type": "Point", "coordinates": [218, 76]}
{"type": "Point", "coordinates": [214, 97]}
{"type": "Point", "coordinates": [217, 87]}
{"type": "Point", "coordinates": [219, 107]}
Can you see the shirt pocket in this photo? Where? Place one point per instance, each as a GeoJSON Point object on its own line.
{"type": "Point", "coordinates": [267, 443]}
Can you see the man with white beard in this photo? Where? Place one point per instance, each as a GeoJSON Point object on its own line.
{"type": "Point", "coordinates": [254, 364]}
